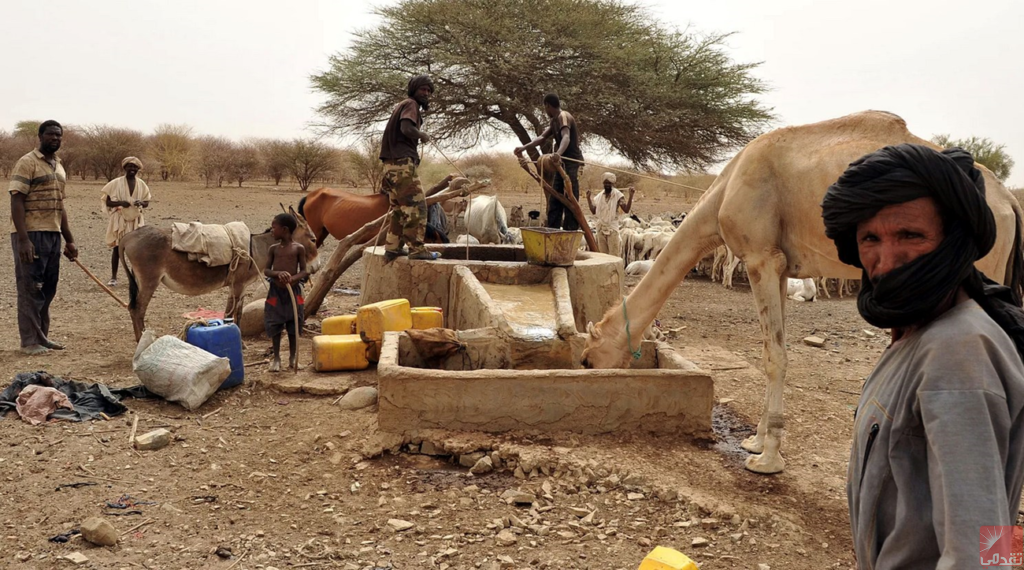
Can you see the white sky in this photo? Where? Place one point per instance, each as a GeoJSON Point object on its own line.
{"type": "Point", "coordinates": [240, 68]}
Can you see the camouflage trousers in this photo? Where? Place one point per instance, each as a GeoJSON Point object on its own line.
{"type": "Point", "coordinates": [408, 206]}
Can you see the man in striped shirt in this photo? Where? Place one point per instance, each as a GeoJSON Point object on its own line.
{"type": "Point", "coordinates": [38, 221]}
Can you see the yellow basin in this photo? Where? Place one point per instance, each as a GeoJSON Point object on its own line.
{"type": "Point", "coordinates": [546, 246]}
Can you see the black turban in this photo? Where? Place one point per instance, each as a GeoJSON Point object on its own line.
{"type": "Point", "coordinates": [417, 82]}
{"type": "Point", "coordinates": [910, 294]}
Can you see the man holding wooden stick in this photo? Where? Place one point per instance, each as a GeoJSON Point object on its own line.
{"type": "Point", "coordinates": [567, 143]}
{"type": "Point", "coordinates": [38, 221]}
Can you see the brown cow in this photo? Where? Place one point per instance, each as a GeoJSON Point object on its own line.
{"type": "Point", "coordinates": [338, 213]}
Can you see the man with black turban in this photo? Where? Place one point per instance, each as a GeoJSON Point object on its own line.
{"type": "Point", "coordinates": [938, 444]}
{"type": "Point", "coordinates": [398, 151]}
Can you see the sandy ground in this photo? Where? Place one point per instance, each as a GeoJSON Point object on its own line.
{"type": "Point", "coordinates": [281, 479]}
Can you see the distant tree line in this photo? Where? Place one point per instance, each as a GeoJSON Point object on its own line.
{"type": "Point", "coordinates": [176, 152]}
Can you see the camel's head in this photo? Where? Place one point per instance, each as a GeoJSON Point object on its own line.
{"type": "Point", "coordinates": [604, 350]}
{"type": "Point", "coordinates": [304, 235]}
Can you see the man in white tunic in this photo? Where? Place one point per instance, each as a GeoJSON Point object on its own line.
{"type": "Point", "coordinates": [937, 462]}
{"type": "Point", "coordinates": [606, 206]}
{"type": "Point", "coordinates": [124, 199]}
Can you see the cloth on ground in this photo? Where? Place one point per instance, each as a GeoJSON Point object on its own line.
{"type": "Point", "coordinates": [36, 402]}
{"type": "Point", "coordinates": [89, 400]}
{"type": "Point", "coordinates": [212, 244]}
{"type": "Point", "coordinates": [123, 220]}
{"type": "Point", "coordinates": [278, 316]}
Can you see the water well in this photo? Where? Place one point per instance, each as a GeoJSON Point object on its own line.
{"type": "Point", "coordinates": [520, 370]}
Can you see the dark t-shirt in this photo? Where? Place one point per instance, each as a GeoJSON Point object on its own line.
{"type": "Point", "coordinates": [394, 144]}
{"type": "Point", "coordinates": [559, 121]}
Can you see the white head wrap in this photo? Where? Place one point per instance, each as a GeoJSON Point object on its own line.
{"type": "Point", "coordinates": [609, 177]}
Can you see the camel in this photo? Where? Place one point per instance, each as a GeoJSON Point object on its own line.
{"type": "Point", "coordinates": [766, 207]}
{"type": "Point", "coordinates": [338, 213]}
{"type": "Point", "coordinates": [148, 251]}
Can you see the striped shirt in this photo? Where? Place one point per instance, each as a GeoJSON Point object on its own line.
{"type": "Point", "coordinates": [43, 187]}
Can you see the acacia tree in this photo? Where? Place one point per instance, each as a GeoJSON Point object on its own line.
{"type": "Point", "coordinates": [309, 160]}
{"type": "Point", "coordinates": [274, 156]}
{"type": "Point", "coordinates": [657, 96]}
{"type": "Point", "coordinates": [245, 161]}
{"type": "Point", "coordinates": [213, 159]}
{"type": "Point", "coordinates": [986, 152]}
{"type": "Point", "coordinates": [172, 146]}
{"type": "Point", "coordinates": [8, 153]}
{"type": "Point", "coordinates": [364, 159]}
{"type": "Point", "coordinates": [106, 147]}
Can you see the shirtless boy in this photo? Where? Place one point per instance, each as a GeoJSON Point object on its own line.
{"type": "Point", "coordinates": [286, 267]}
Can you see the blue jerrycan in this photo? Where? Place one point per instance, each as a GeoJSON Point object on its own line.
{"type": "Point", "coordinates": [221, 339]}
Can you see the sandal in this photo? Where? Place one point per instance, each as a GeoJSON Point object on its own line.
{"type": "Point", "coordinates": [425, 255]}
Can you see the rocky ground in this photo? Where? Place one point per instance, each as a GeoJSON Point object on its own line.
{"type": "Point", "coordinates": [277, 474]}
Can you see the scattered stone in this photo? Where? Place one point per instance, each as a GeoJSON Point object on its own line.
{"type": "Point", "coordinates": [736, 537]}
{"type": "Point", "coordinates": [99, 532]}
{"type": "Point", "coordinates": [505, 538]}
{"type": "Point", "coordinates": [763, 567]}
{"type": "Point", "coordinates": [77, 558]}
{"type": "Point", "coordinates": [428, 448]}
{"type": "Point", "coordinates": [579, 512]}
{"type": "Point", "coordinates": [699, 542]}
{"type": "Point", "coordinates": [153, 440]}
{"type": "Point", "coordinates": [737, 520]}
{"type": "Point", "coordinates": [483, 466]}
{"type": "Point", "coordinates": [815, 341]}
{"type": "Point", "coordinates": [23, 556]}
{"type": "Point", "coordinates": [470, 459]}
{"type": "Point", "coordinates": [635, 496]}
{"type": "Point", "coordinates": [709, 523]}
{"type": "Point", "coordinates": [868, 333]}
{"type": "Point", "coordinates": [643, 541]}
{"type": "Point", "coordinates": [224, 552]}
{"type": "Point", "coordinates": [518, 473]}
{"type": "Point", "coordinates": [170, 508]}
{"type": "Point", "coordinates": [589, 519]}
{"type": "Point", "coordinates": [399, 525]}
{"type": "Point", "coordinates": [359, 398]}
{"type": "Point", "coordinates": [518, 497]}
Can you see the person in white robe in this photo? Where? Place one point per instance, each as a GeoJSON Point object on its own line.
{"type": "Point", "coordinates": [124, 200]}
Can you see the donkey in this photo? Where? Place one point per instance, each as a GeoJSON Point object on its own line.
{"type": "Point", "coordinates": [148, 250]}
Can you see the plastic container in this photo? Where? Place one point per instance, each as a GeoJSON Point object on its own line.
{"type": "Point", "coordinates": [220, 339]}
{"type": "Point", "coordinates": [341, 324]}
{"type": "Point", "coordinates": [373, 320]}
{"type": "Point", "coordinates": [339, 352]}
{"type": "Point", "coordinates": [427, 317]}
{"type": "Point", "coordinates": [546, 246]}
{"type": "Point", "coordinates": [662, 558]}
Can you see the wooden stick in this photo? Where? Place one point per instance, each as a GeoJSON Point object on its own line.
{"type": "Point", "coordinates": [138, 526]}
{"type": "Point", "coordinates": [135, 426]}
{"type": "Point", "coordinates": [295, 314]}
{"type": "Point", "coordinates": [572, 205]}
{"type": "Point", "coordinates": [213, 413]}
{"type": "Point", "coordinates": [100, 283]}
{"type": "Point", "coordinates": [235, 563]}
{"type": "Point", "coordinates": [106, 479]}
{"type": "Point", "coordinates": [258, 362]}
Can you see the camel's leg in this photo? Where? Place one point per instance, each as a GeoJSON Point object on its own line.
{"type": "Point", "coordinates": [769, 288]}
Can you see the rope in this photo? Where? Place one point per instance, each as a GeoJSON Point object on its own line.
{"type": "Point", "coordinates": [662, 180]}
{"type": "Point", "coordinates": [237, 255]}
{"type": "Point", "coordinates": [469, 201]}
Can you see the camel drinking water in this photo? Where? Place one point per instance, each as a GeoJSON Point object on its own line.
{"type": "Point", "coordinates": [766, 207]}
{"type": "Point", "coordinates": [148, 260]}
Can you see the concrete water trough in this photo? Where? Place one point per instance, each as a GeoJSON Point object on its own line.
{"type": "Point", "coordinates": [519, 368]}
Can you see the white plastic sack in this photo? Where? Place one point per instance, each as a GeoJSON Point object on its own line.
{"type": "Point", "coordinates": [178, 371]}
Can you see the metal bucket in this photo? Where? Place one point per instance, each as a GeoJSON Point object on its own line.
{"type": "Point", "coordinates": [547, 246]}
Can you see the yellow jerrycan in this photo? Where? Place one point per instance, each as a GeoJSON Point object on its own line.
{"type": "Point", "coordinates": [662, 558]}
